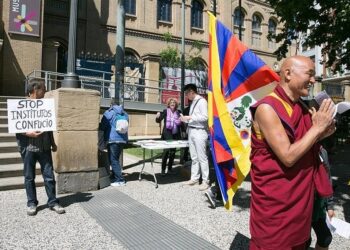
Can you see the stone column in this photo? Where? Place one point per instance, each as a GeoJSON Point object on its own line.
{"type": "Point", "coordinates": [264, 42]}
{"type": "Point", "coordinates": [151, 62]}
{"type": "Point", "coordinates": [75, 162]}
{"type": "Point", "coordinates": [346, 84]}
{"type": "Point", "coordinates": [152, 65]}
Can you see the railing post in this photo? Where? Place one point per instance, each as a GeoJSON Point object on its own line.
{"type": "Point", "coordinates": [103, 87]}
{"type": "Point", "coordinates": [48, 88]}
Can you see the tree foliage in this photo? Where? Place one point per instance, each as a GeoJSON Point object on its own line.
{"type": "Point", "coordinates": [326, 22]}
{"type": "Point", "coordinates": [171, 57]}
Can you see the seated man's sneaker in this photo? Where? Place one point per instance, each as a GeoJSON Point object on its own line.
{"type": "Point", "coordinates": [118, 184]}
{"type": "Point", "coordinates": [191, 182]}
{"type": "Point", "coordinates": [58, 209]}
{"type": "Point", "coordinates": [32, 210]}
{"type": "Point", "coordinates": [211, 198]}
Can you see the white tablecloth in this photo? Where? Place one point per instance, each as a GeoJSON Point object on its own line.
{"type": "Point", "coordinates": [153, 144]}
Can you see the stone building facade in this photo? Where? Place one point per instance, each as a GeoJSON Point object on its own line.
{"type": "Point", "coordinates": [146, 23]}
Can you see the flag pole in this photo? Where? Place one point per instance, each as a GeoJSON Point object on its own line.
{"type": "Point", "coordinates": [182, 98]}
{"type": "Point", "coordinates": [240, 20]}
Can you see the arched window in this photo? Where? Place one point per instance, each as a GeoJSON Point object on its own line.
{"type": "Point", "coordinates": [197, 14]}
{"type": "Point", "coordinates": [130, 59]}
{"type": "Point", "coordinates": [238, 19]}
{"type": "Point", "coordinates": [164, 10]}
{"type": "Point", "coordinates": [272, 30]}
{"type": "Point", "coordinates": [130, 7]}
{"type": "Point", "coordinates": [256, 30]}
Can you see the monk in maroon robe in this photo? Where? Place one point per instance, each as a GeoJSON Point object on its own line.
{"type": "Point", "coordinates": [286, 167]}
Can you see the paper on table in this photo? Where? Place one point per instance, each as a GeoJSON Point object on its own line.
{"type": "Point", "coordinates": [338, 226]}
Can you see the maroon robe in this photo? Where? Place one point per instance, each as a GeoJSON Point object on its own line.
{"type": "Point", "coordinates": [281, 197]}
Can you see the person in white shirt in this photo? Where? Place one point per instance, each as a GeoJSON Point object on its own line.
{"type": "Point", "coordinates": [197, 136]}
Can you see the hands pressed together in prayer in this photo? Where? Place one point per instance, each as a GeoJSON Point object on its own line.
{"type": "Point", "coordinates": [323, 120]}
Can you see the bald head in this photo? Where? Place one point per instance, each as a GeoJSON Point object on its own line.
{"type": "Point", "coordinates": [297, 75]}
{"type": "Point", "coordinates": [293, 62]}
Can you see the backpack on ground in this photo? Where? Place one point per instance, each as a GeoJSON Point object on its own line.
{"type": "Point", "coordinates": [121, 123]}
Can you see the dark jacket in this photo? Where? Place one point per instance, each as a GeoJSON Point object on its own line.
{"type": "Point", "coordinates": [167, 134]}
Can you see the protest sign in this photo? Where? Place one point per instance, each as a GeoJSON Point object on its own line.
{"type": "Point", "coordinates": [26, 115]}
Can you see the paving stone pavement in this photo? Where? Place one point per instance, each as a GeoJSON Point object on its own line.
{"type": "Point", "coordinates": [185, 206]}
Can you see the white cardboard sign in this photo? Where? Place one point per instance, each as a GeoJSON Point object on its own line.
{"type": "Point", "coordinates": [27, 115]}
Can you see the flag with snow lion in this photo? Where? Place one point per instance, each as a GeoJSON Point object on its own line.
{"type": "Point", "coordinates": [237, 79]}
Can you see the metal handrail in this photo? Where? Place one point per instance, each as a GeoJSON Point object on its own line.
{"type": "Point", "coordinates": [132, 91]}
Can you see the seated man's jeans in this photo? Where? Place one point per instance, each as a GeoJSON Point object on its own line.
{"type": "Point", "coordinates": [45, 161]}
{"type": "Point", "coordinates": [114, 152]}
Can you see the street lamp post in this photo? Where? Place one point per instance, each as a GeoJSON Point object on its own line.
{"type": "Point", "coordinates": [214, 7]}
{"type": "Point", "coordinates": [71, 79]}
{"type": "Point", "coordinates": [119, 54]}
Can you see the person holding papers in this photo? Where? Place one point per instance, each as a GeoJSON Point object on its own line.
{"type": "Point", "coordinates": [36, 147]}
{"type": "Point", "coordinates": [197, 136]}
{"type": "Point", "coordinates": [171, 131]}
{"type": "Point", "coordinates": [286, 167]}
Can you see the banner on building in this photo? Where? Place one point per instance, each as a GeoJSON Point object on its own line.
{"type": "Point", "coordinates": [171, 83]}
{"type": "Point", "coordinates": [27, 115]}
{"type": "Point", "coordinates": [25, 17]}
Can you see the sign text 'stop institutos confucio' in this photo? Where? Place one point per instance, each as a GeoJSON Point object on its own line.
{"type": "Point", "coordinates": [26, 115]}
{"type": "Point", "coordinates": [25, 17]}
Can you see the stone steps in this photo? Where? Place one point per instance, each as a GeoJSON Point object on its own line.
{"type": "Point", "coordinates": [10, 158]}
{"type": "Point", "coordinates": [10, 183]}
{"type": "Point", "coordinates": [11, 164]}
{"type": "Point", "coordinates": [15, 170]}
{"type": "Point", "coordinates": [6, 137]}
{"type": "Point", "coordinates": [3, 128]}
{"type": "Point", "coordinates": [3, 112]}
{"type": "Point", "coordinates": [8, 147]}
{"type": "Point", "coordinates": [3, 119]}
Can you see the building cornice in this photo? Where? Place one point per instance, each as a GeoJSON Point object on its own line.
{"type": "Point", "coordinates": [263, 53]}
{"type": "Point", "coordinates": [336, 79]}
{"type": "Point", "coordinates": [153, 36]}
{"type": "Point", "coordinates": [261, 3]}
{"type": "Point", "coordinates": [151, 57]}
{"type": "Point", "coordinates": [174, 39]}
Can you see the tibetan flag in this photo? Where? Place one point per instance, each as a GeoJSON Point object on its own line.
{"type": "Point", "coordinates": [237, 79]}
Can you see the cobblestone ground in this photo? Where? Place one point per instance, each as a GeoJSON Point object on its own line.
{"type": "Point", "coordinates": [186, 206]}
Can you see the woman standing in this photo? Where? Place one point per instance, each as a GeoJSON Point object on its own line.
{"type": "Point", "coordinates": [171, 131]}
